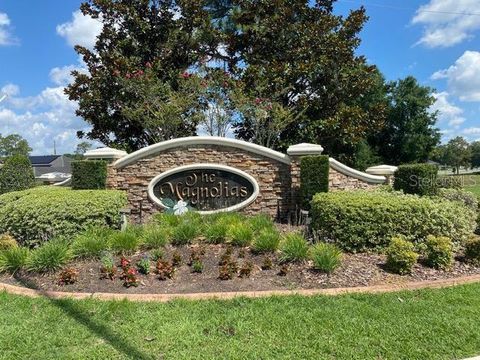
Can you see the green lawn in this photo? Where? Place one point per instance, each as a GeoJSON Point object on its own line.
{"type": "Point", "coordinates": [472, 184]}
{"type": "Point", "coordinates": [429, 324]}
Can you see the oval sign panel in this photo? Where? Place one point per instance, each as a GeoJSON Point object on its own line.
{"type": "Point", "coordinates": [208, 188]}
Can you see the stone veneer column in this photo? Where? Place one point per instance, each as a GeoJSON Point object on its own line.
{"type": "Point", "coordinates": [296, 152]}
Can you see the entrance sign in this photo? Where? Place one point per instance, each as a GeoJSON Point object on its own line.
{"type": "Point", "coordinates": [208, 188]}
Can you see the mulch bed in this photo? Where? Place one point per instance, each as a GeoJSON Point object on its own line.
{"type": "Point", "coordinates": [356, 270]}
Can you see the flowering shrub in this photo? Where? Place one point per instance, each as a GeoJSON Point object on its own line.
{"type": "Point", "coordinates": [68, 276]}
{"type": "Point", "coordinates": [165, 270]}
{"type": "Point", "coordinates": [129, 277]}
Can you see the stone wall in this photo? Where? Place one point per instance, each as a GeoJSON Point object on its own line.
{"type": "Point", "coordinates": [273, 177]}
{"type": "Point", "coordinates": [338, 181]}
{"type": "Point", "coordinates": [277, 174]}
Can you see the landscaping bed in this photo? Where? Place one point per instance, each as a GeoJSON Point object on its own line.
{"type": "Point", "coordinates": [355, 239]}
{"type": "Point", "coordinates": [355, 270]}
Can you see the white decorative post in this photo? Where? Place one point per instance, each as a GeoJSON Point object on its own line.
{"type": "Point", "coordinates": [384, 170]}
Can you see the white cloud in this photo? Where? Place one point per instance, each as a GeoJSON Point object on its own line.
{"type": "Point", "coordinates": [81, 30]}
{"type": "Point", "coordinates": [6, 38]}
{"type": "Point", "coordinates": [10, 90]}
{"type": "Point", "coordinates": [472, 131]}
{"type": "Point", "coordinates": [43, 119]}
{"type": "Point", "coordinates": [448, 113]}
{"type": "Point", "coordinates": [62, 76]}
{"type": "Point", "coordinates": [463, 77]}
{"type": "Point", "coordinates": [446, 22]}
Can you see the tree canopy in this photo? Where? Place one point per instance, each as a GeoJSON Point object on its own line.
{"type": "Point", "coordinates": [409, 134]}
{"type": "Point", "coordinates": [274, 72]}
{"type": "Point", "coordinates": [13, 144]}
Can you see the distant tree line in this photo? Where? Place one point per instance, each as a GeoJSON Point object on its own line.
{"type": "Point", "coordinates": [458, 153]}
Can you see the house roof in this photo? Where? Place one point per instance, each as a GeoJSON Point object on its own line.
{"type": "Point", "coordinates": [43, 159]}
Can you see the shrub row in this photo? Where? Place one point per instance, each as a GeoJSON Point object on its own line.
{"type": "Point", "coordinates": [39, 214]}
{"type": "Point", "coordinates": [16, 174]}
{"type": "Point", "coordinates": [362, 220]}
{"type": "Point", "coordinates": [314, 172]}
{"type": "Point", "coordinates": [89, 174]}
{"type": "Point", "coordinates": [420, 179]}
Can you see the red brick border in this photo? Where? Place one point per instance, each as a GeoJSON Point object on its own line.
{"type": "Point", "coordinates": [434, 284]}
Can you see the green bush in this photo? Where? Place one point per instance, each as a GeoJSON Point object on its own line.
{"type": "Point", "coordinates": [293, 247]}
{"type": "Point", "coordinates": [185, 233]}
{"type": "Point", "coordinates": [464, 197]}
{"type": "Point", "coordinates": [439, 252]}
{"type": "Point", "coordinates": [51, 256]}
{"type": "Point", "coordinates": [7, 241]}
{"type": "Point", "coordinates": [325, 257]}
{"type": "Point", "coordinates": [363, 220]}
{"type": "Point", "coordinates": [450, 182]}
{"type": "Point", "coordinates": [314, 172]}
{"type": "Point", "coordinates": [89, 174]}
{"type": "Point", "coordinates": [16, 174]}
{"type": "Point", "coordinates": [267, 240]}
{"type": "Point", "coordinates": [38, 214]}
{"type": "Point", "coordinates": [419, 179]}
{"type": "Point", "coordinates": [401, 256]}
{"type": "Point", "coordinates": [91, 243]}
{"type": "Point", "coordinates": [13, 259]}
{"type": "Point", "coordinates": [240, 234]}
{"type": "Point", "coordinates": [124, 242]}
{"type": "Point", "coordinates": [472, 250]}
{"type": "Point", "coordinates": [155, 236]}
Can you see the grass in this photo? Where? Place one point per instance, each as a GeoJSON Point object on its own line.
{"type": "Point", "coordinates": [267, 240]}
{"type": "Point", "coordinates": [428, 324]}
{"type": "Point", "coordinates": [325, 257]}
{"type": "Point", "coordinates": [472, 184]}
{"type": "Point", "coordinates": [293, 247]}
{"type": "Point", "coordinates": [50, 256]}
{"type": "Point", "coordinates": [91, 243]}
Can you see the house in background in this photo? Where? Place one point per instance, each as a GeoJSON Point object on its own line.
{"type": "Point", "coordinates": [51, 168]}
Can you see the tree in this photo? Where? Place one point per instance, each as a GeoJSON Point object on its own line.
{"type": "Point", "coordinates": [475, 150]}
{"type": "Point", "coordinates": [83, 147]}
{"type": "Point", "coordinates": [302, 57]}
{"type": "Point", "coordinates": [219, 100]}
{"type": "Point", "coordinates": [16, 174]}
{"type": "Point", "coordinates": [165, 37]}
{"type": "Point", "coordinates": [365, 156]}
{"type": "Point", "coordinates": [458, 153]}
{"type": "Point", "coordinates": [13, 144]}
{"type": "Point", "coordinates": [409, 134]}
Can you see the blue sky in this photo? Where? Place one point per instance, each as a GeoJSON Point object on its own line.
{"type": "Point", "coordinates": [433, 40]}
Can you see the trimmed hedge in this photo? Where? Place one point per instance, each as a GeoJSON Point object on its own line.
{"type": "Point", "coordinates": [314, 172]}
{"type": "Point", "coordinates": [363, 220]}
{"type": "Point", "coordinates": [16, 174]}
{"type": "Point", "coordinates": [89, 174]}
{"type": "Point", "coordinates": [419, 179]}
{"type": "Point", "coordinates": [37, 215]}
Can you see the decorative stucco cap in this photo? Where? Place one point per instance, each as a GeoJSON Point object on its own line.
{"type": "Point", "coordinates": [385, 170]}
{"type": "Point", "coordinates": [105, 153]}
{"type": "Point", "coordinates": [305, 149]}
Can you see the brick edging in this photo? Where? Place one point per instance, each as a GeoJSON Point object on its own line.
{"type": "Point", "coordinates": [433, 284]}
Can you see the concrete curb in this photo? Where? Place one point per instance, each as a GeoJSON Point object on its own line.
{"type": "Point", "coordinates": [434, 284]}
